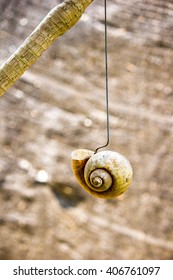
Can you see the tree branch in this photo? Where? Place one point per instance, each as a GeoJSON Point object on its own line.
{"type": "Point", "coordinates": [56, 23]}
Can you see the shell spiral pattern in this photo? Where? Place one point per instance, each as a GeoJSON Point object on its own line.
{"type": "Point", "coordinates": [105, 174]}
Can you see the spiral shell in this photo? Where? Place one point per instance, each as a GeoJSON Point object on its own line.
{"type": "Point", "coordinates": [105, 174]}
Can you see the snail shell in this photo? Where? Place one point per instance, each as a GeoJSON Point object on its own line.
{"type": "Point", "coordinates": [105, 174]}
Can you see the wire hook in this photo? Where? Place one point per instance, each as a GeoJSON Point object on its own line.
{"type": "Point", "coordinates": [107, 84]}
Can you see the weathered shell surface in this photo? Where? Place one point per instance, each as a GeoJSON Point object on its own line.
{"type": "Point", "coordinates": [85, 162]}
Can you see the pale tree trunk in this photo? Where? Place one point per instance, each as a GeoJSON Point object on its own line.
{"type": "Point", "coordinates": [55, 24]}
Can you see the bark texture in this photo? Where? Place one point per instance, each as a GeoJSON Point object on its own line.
{"type": "Point", "coordinates": [55, 24]}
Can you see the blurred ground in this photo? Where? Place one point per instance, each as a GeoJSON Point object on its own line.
{"type": "Point", "coordinates": [59, 105]}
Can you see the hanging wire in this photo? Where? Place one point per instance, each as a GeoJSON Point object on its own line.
{"type": "Point", "coordinates": [106, 73]}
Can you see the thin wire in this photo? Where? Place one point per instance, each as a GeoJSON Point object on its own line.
{"type": "Point", "coordinates": [107, 84]}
